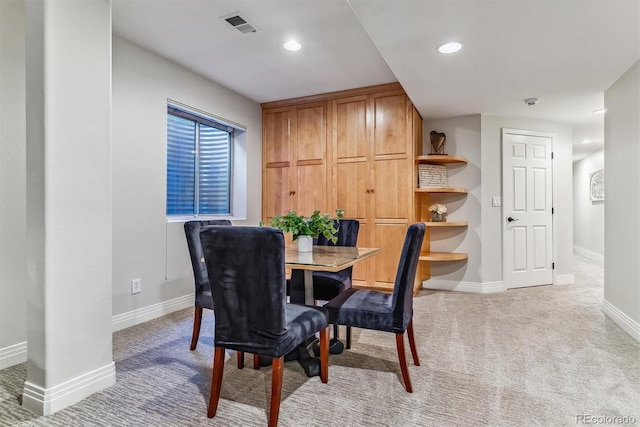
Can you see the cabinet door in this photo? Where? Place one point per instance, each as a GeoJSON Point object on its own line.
{"type": "Point", "coordinates": [389, 236]}
{"type": "Point", "coordinates": [310, 162]}
{"type": "Point", "coordinates": [393, 166]}
{"type": "Point", "coordinates": [351, 144]}
{"type": "Point", "coordinates": [277, 146]}
{"type": "Point", "coordinates": [392, 124]}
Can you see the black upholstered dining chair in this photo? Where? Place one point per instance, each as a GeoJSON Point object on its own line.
{"type": "Point", "coordinates": [326, 284]}
{"type": "Point", "coordinates": [247, 276]}
{"type": "Point", "coordinates": [380, 311]}
{"type": "Point", "coordinates": [201, 279]}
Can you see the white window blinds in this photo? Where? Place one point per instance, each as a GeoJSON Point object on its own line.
{"type": "Point", "coordinates": [198, 165]}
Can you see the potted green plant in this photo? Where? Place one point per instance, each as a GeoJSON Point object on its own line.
{"type": "Point", "coordinates": [304, 229]}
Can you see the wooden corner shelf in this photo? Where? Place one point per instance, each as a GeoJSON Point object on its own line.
{"type": "Point", "coordinates": [442, 256]}
{"type": "Point", "coordinates": [441, 190]}
{"type": "Point", "coordinates": [446, 224]}
{"type": "Point", "coordinates": [424, 197]}
{"type": "Point", "coordinates": [440, 159]}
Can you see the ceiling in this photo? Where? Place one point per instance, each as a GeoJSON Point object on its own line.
{"type": "Point", "coordinates": [564, 52]}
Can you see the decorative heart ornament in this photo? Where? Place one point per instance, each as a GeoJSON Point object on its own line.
{"type": "Point", "coordinates": [438, 140]}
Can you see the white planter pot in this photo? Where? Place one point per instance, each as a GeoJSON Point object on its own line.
{"type": "Point", "coordinates": [305, 243]}
{"type": "Point", "coordinates": [305, 257]}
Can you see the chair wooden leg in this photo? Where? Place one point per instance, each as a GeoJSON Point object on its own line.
{"type": "Point", "coordinates": [240, 355]}
{"type": "Point", "coordinates": [348, 337]}
{"type": "Point", "coordinates": [197, 321]}
{"type": "Point", "coordinates": [403, 362]}
{"type": "Point", "coordinates": [276, 390]}
{"type": "Point", "coordinates": [324, 355]}
{"type": "Point", "coordinates": [412, 344]}
{"type": "Point", "coordinates": [216, 381]}
{"type": "Point", "coordinates": [256, 362]}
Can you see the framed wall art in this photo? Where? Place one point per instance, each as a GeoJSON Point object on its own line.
{"type": "Point", "coordinates": [432, 176]}
{"type": "Point", "coordinates": [596, 186]}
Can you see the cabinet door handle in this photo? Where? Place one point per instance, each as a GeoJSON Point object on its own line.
{"type": "Point", "coordinates": [373, 191]}
{"type": "Point", "coordinates": [368, 191]}
{"type": "Point", "coordinates": [293, 193]}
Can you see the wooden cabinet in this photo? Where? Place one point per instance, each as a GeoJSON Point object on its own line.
{"type": "Point", "coordinates": [351, 179]}
{"type": "Point", "coordinates": [424, 198]}
{"type": "Point", "coordinates": [372, 136]}
{"type": "Point", "coordinates": [294, 159]}
{"type": "Point", "coordinates": [391, 167]}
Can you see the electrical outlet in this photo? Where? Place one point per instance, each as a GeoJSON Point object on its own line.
{"type": "Point", "coordinates": [136, 286]}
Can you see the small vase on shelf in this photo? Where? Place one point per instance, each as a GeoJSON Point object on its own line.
{"type": "Point", "coordinates": [438, 212]}
{"type": "Point", "coordinates": [438, 217]}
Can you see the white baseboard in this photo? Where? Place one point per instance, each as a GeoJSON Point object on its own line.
{"type": "Point", "coordinates": [594, 256]}
{"type": "Point", "coordinates": [459, 286]}
{"type": "Point", "coordinates": [13, 355]}
{"type": "Point", "coordinates": [565, 279]}
{"type": "Point", "coordinates": [629, 325]}
{"type": "Point", "coordinates": [45, 401]}
{"type": "Point", "coordinates": [144, 314]}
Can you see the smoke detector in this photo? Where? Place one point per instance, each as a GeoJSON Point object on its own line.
{"type": "Point", "coordinates": [531, 101]}
{"type": "Point", "coordinates": [240, 23]}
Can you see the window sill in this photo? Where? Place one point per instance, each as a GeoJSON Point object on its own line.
{"type": "Point", "coordinates": [185, 218]}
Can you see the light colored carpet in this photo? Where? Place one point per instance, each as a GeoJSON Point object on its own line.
{"type": "Point", "coordinates": [535, 356]}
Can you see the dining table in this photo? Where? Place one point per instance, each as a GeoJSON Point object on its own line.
{"type": "Point", "coordinates": [321, 258]}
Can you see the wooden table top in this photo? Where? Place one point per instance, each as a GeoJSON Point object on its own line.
{"type": "Point", "coordinates": [326, 258]}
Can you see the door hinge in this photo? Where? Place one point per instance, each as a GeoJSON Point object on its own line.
{"type": "Point", "coordinates": [552, 155]}
{"type": "Point", "coordinates": [553, 265]}
{"type": "Point", "coordinates": [553, 210]}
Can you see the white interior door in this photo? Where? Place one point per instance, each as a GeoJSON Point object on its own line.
{"type": "Point", "coordinates": [527, 208]}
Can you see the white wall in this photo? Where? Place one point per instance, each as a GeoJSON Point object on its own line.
{"type": "Point", "coordinates": [592, 131]}
{"type": "Point", "coordinates": [145, 246]}
{"type": "Point", "coordinates": [479, 139]}
{"type": "Point", "coordinates": [491, 217]}
{"type": "Point", "coordinates": [622, 202]}
{"type": "Point", "coordinates": [588, 216]}
{"type": "Point", "coordinates": [463, 139]}
{"type": "Point", "coordinates": [13, 272]}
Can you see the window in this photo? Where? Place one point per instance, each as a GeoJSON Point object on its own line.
{"type": "Point", "coordinates": [199, 152]}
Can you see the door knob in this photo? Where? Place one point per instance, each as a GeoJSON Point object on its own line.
{"type": "Point", "coordinates": [511, 219]}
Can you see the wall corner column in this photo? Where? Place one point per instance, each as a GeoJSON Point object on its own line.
{"type": "Point", "coordinates": [69, 225]}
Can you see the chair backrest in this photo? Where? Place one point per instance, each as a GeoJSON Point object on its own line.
{"type": "Point", "coordinates": [405, 276]}
{"type": "Point", "coordinates": [192, 233]}
{"type": "Point", "coordinates": [347, 236]}
{"type": "Point", "coordinates": [247, 277]}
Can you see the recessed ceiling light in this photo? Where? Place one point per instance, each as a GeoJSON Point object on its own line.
{"type": "Point", "coordinates": [450, 47]}
{"type": "Point", "coordinates": [531, 101]}
{"type": "Point", "coordinates": [586, 141]}
{"type": "Point", "coordinates": [600, 111]}
{"type": "Point", "coordinates": [292, 45]}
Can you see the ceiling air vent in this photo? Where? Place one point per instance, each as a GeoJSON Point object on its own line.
{"type": "Point", "coordinates": [240, 23]}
